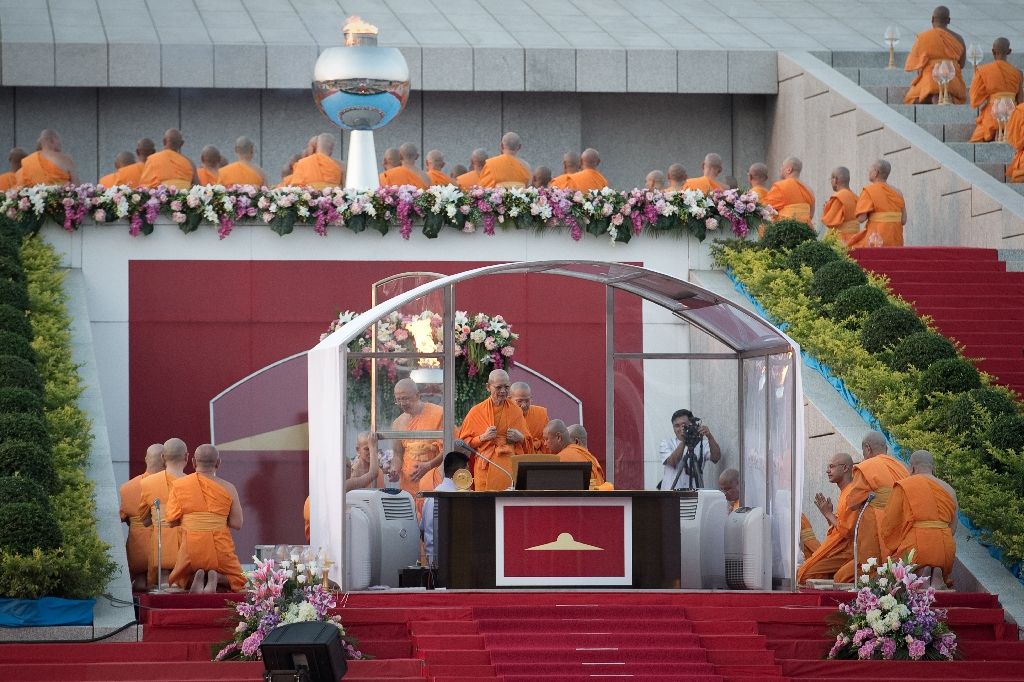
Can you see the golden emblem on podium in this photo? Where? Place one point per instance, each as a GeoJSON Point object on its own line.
{"type": "Point", "coordinates": [463, 480]}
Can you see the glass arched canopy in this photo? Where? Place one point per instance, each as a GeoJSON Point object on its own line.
{"type": "Point", "coordinates": [668, 344]}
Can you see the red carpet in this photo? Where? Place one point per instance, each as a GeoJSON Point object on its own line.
{"type": "Point", "coordinates": [522, 636]}
{"type": "Point", "coordinates": [970, 296]}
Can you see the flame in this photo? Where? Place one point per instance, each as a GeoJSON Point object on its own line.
{"type": "Point", "coordinates": [356, 25]}
{"type": "Point", "coordinates": [423, 334]}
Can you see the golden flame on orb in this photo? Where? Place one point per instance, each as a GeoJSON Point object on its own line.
{"type": "Point", "coordinates": [356, 25]}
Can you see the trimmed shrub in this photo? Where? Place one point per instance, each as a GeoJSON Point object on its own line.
{"type": "Point", "coordinates": [19, 373]}
{"type": "Point", "coordinates": [813, 254]}
{"type": "Point", "coordinates": [13, 294]}
{"type": "Point", "coordinates": [857, 301]}
{"type": "Point", "coordinates": [921, 349]}
{"type": "Point", "coordinates": [17, 345]}
{"type": "Point", "coordinates": [887, 326]}
{"type": "Point", "coordinates": [10, 268]}
{"type": "Point", "coordinates": [953, 375]}
{"type": "Point", "coordinates": [14, 320]}
{"type": "Point", "coordinates": [995, 402]}
{"type": "Point", "coordinates": [14, 399]}
{"type": "Point", "coordinates": [25, 427]}
{"type": "Point", "coordinates": [834, 278]}
{"type": "Point", "coordinates": [787, 234]}
{"type": "Point", "coordinates": [28, 460]}
{"type": "Point", "coordinates": [10, 247]}
{"type": "Point", "coordinates": [1007, 432]}
{"type": "Point", "coordinates": [961, 415]}
{"type": "Point", "coordinates": [24, 526]}
{"type": "Point", "coordinates": [17, 489]}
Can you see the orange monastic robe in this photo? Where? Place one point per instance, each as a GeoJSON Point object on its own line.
{"type": "Point", "coordinates": [808, 540]}
{"type": "Point", "coordinates": [207, 176]}
{"type": "Point", "coordinates": [792, 199]}
{"type": "Point", "coordinates": [430, 418]}
{"type": "Point", "coordinates": [36, 169]}
{"type": "Point", "coordinates": [991, 82]}
{"type": "Point", "coordinates": [467, 180]}
{"type": "Point", "coordinates": [918, 517]}
{"type": "Point", "coordinates": [704, 184]}
{"type": "Point", "coordinates": [167, 167]}
{"type": "Point", "coordinates": [836, 551]}
{"type": "Point", "coordinates": [884, 206]}
{"type": "Point", "coordinates": [578, 453]}
{"type": "Point", "coordinates": [503, 417]}
{"type": "Point", "coordinates": [8, 181]}
{"type": "Point", "coordinates": [878, 475]}
{"type": "Point", "coordinates": [504, 170]}
{"type": "Point", "coordinates": [562, 181]}
{"type": "Point", "coordinates": [840, 214]}
{"type": "Point", "coordinates": [761, 192]}
{"type": "Point", "coordinates": [587, 179]}
{"type": "Point", "coordinates": [108, 179]}
{"type": "Point", "coordinates": [400, 175]}
{"type": "Point", "coordinates": [318, 171]}
{"type": "Point", "coordinates": [239, 173]}
{"type": "Point", "coordinates": [536, 420]}
{"type": "Point", "coordinates": [439, 178]}
{"type": "Point", "coordinates": [305, 517]}
{"type": "Point", "coordinates": [1015, 136]}
{"type": "Point", "coordinates": [158, 487]}
{"type": "Point", "coordinates": [202, 506]}
{"type": "Point", "coordinates": [931, 46]}
{"type": "Point", "coordinates": [139, 536]}
{"type": "Point", "coordinates": [130, 175]}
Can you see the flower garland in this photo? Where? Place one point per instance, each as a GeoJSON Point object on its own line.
{"type": "Point", "coordinates": [619, 215]}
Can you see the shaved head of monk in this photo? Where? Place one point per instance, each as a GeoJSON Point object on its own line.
{"type": "Point", "coordinates": [521, 394]}
{"type": "Point", "coordinates": [731, 182]}
{"type": "Point", "coordinates": [712, 165]}
{"type": "Point", "coordinates": [556, 436]}
{"type": "Point", "coordinates": [922, 462]}
{"type": "Point", "coordinates": [210, 156]}
{"type": "Point", "coordinates": [434, 160]}
{"type": "Point", "coordinates": [15, 158]}
{"type": "Point", "coordinates": [541, 177]}
{"type": "Point", "coordinates": [498, 385]}
{"type": "Point", "coordinates": [571, 162]}
{"type": "Point", "coordinates": [840, 178]}
{"type": "Point", "coordinates": [1001, 48]}
{"type": "Point", "coordinates": [144, 147]}
{"type": "Point", "coordinates": [391, 159]}
{"type": "Point", "coordinates": [729, 483]}
{"type": "Point", "coordinates": [511, 143]}
{"type": "Point", "coordinates": [477, 159]}
{"type": "Point", "coordinates": [155, 458]}
{"type": "Point", "coordinates": [245, 148]}
{"type": "Point", "coordinates": [879, 171]}
{"type": "Point", "coordinates": [173, 139]}
{"type": "Point", "coordinates": [840, 468]}
{"type": "Point", "coordinates": [791, 167]}
{"type": "Point", "coordinates": [175, 452]}
{"type": "Point", "coordinates": [590, 158]}
{"type": "Point", "coordinates": [757, 173]}
{"type": "Point", "coordinates": [409, 153]}
{"type": "Point", "coordinates": [407, 394]}
{"type": "Point", "coordinates": [655, 180]}
{"type": "Point", "coordinates": [124, 159]}
{"type": "Point", "coordinates": [458, 169]}
{"type": "Point", "coordinates": [49, 141]}
{"type": "Point", "coordinates": [207, 458]}
{"type": "Point", "coordinates": [677, 174]}
{"type": "Point", "coordinates": [325, 143]}
{"type": "Point", "coordinates": [578, 434]}
{"type": "Point", "coordinates": [940, 16]}
{"type": "Point", "coordinates": [873, 444]}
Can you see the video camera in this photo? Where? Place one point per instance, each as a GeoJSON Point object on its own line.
{"type": "Point", "coordinates": [691, 433]}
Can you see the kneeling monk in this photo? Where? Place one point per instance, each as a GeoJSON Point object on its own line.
{"type": "Point", "coordinates": [558, 441]}
{"type": "Point", "coordinates": [837, 549]}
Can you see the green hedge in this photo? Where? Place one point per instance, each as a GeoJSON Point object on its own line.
{"type": "Point", "coordinates": [834, 278]}
{"type": "Point", "coordinates": [887, 326]}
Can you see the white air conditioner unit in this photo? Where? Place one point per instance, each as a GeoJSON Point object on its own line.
{"type": "Point", "coordinates": [358, 563]}
{"type": "Point", "coordinates": [748, 549]}
{"type": "Point", "coordinates": [702, 540]}
{"type": "Point", "coordinates": [394, 535]}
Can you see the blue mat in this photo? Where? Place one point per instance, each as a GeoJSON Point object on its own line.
{"type": "Point", "coordinates": [45, 612]}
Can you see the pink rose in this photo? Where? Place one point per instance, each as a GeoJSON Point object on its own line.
{"type": "Point", "coordinates": [507, 351]}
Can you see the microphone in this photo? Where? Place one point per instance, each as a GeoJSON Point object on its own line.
{"type": "Point", "coordinates": [459, 443]}
{"type": "Point", "coordinates": [856, 530]}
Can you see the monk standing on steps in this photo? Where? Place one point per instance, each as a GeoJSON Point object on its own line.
{"type": "Point", "coordinates": [417, 460]}
{"type": "Point", "coordinates": [837, 549]}
{"type": "Point", "coordinates": [496, 427]}
{"type": "Point", "coordinates": [243, 171]}
{"type": "Point", "coordinates": [158, 487]}
{"type": "Point", "coordinates": [789, 196]}
{"type": "Point", "coordinates": [208, 170]}
{"type": "Point", "coordinates": [557, 441]}
{"type": "Point", "coordinates": [139, 535]}
{"type": "Point", "coordinates": [708, 182]}
{"type": "Point", "coordinates": [938, 44]}
{"type": "Point", "coordinates": [588, 178]}
{"type": "Point", "coordinates": [506, 169]}
{"type": "Point", "coordinates": [9, 180]}
{"type": "Point", "coordinates": [47, 166]}
{"type": "Point", "coordinates": [535, 415]}
{"type": "Point", "coordinates": [169, 166]}
{"type": "Point", "coordinates": [921, 516]}
{"type": "Point", "coordinates": [318, 170]}
{"type": "Point", "coordinates": [471, 178]}
{"type": "Point", "coordinates": [1015, 137]}
{"type": "Point", "coordinates": [570, 165]}
{"type": "Point", "coordinates": [884, 209]}
{"type": "Point", "coordinates": [992, 82]}
{"type": "Point", "coordinates": [207, 509]}
{"type": "Point", "coordinates": [434, 163]}
{"type": "Point", "coordinates": [840, 212]}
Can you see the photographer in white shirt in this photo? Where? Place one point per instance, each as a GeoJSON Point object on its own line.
{"type": "Point", "coordinates": [685, 454]}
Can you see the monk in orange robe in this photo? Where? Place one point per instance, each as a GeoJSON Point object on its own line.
{"type": "Point", "coordinates": [48, 166]}
{"type": "Point", "coordinates": [287, 171]}
{"type": "Point", "coordinates": [319, 170]}
{"type": "Point", "coordinates": [208, 170]}
{"type": "Point", "coordinates": [536, 416]}
{"type": "Point", "coordinates": [158, 488]}
{"type": "Point", "coordinates": [243, 171]}
{"type": "Point", "coordinates": [207, 509]}
{"type": "Point", "coordinates": [877, 474]}
{"type": "Point", "coordinates": [884, 209]}
{"type": "Point", "coordinates": [992, 82]}
{"type": "Point", "coordinates": [558, 441]}
{"type": "Point", "coordinates": [364, 472]}
{"type": "Point", "coordinates": [809, 542]}
{"type": "Point", "coordinates": [435, 164]}
{"type": "Point", "coordinates": [789, 197]}
{"type": "Point", "coordinates": [471, 178]}
{"type": "Point", "coordinates": [921, 516]}
{"type": "Point", "coordinates": [541, 177]}
{"type": "Point", "coordinates": [729, 484]}
{"type": "Point", "coordinates": [169, 166]}
{"type": "Point", "coordinates": [9, 180]}
{"type": "Point", "coordinates": [506, 169]}
{"type": "Point", "coordinates": [496, 427]}
{"type": "Point", "coordinates": [936, 45]}
{"type": "Point", "coordinates": [588, 178]}
{"type": "Point", "coordinates": [836, 551]}
{"type": "Point", "coordinates": [676, 176]}
{"type": "Point", "coordinates": [757, 176]}
{"type": "Point", "coordinates": [390, 159]}
{"type": "Point", "coordinates": [1015, 138]}
{"type": "Point", "coordinates": [708, 182]}
{"type": "Point", "coordinates": [570, 165]}
{"type": "Point", "coordinates": [839, 214]}
{"type": "Point", "coordinates": [122, 160]}
{"type": "Point", "coordinates": [139, 535]}
{"type": "Point", "coordinates": [655, 180]}
{"type": "Point", "coordinates": [417, 460]}
{"type": "Point", "coordinates": [131, 174]}
{"type": "Point", "coordinates": [407, 172]}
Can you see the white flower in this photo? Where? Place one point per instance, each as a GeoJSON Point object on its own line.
{"type": "Point", "coordinates": [888, 601]}
{"type": "Point", "coordinates": [865, 579]}
{"type": "Point", "coordinates": [478, 336]}
{"type": "Point", "coordinates": [872, 561]}
{"type": "Point", "coordinates": [883, 582]}
{"type": "Point", "coordinates": [301, 578]}
{"type": "Point", "coordinates": [711, 224]}
{"type": "Point", "coordinates": [865, 568]}
{"type": "Point", "coordinates": [882, 569]}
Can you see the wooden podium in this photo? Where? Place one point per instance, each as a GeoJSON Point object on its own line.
{"type": "Point", "coordinates": [624, 538]}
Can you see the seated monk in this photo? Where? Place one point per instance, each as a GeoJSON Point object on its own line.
{"type": "Point", "coordinates": [132, 173]}
{"type": "Point", "coordinates": [921, 516]}
{"type": "Point", "coordinates": [319, 170]}
{"type": "Point", "coordinates": [9, 180]}
{"type": "Point", "coordinates": [729, 484]}
{"type": "Point", "coordinates": [541, 177]}
{"type": "Point", "coordinates": [884, 209]}
{"type": "Point", "coordinates": [391, 159]}
{"type": "Point", "coordinates": [435, 163]}
{"type": "Point", "coordinates": [992, 82]}
{"type": "Point", "coordinates": [570, 165]}
{"type": "Point", "coordinates": [655, 180]}
{"type": "Point", "coordinates": [208, 170]}
{"type": "Point", "coordinates": [363, 473]}
{"type": "Point", "coordinates": [790, 197]}
{"type": "Point", "coordinates": [122, 160]}
{"type": "Point", "coordinates": [1015, 138]}
{"type": "Point", "coordinates": [558, 441]}
{"type": "Point", "coordinates": [471, 178]}
{"type": "Point", "coordinates": [407, 172]}
{"type": "Point", "coordinates": [417, 460]}
{"type": "Point", "coordinates": [139, 535]}
{"type": "Point", "coordinates": [837, 549]}
{"type": "Point", "coordinates": [809, 542]}
{"type": "Point", "coordinates": [207, 509]}
{"type": "Point", "coordinates": [677, 177]}
{"type": "Point", "coordinates": [287, 172]}
{"type": "Point", "coordinates": [243, 171]}
{"type": "Point", "coordinates": [47, 166]}
{"type": "Point", "coordinates": [708, 182]}
{"type": "Point", "coordinates": [757, 176]}
{"type": "Point", "coordinates": [506, 169]}
{"type": "Point", "coordinates": [169, 166]}
{"type": "Point", "coordinates": [457, 170]}
{"type": "Point", "coordinates": [588, 178]}
{"type": "Point", "coordinates": [839, 214]}
{"type": "Point", "coordinates": [154, 489]}
{"type": "Point", "coordinates": [936, 45]}
{"type": "Point", "coordinates": [578, 435]}
{"type": "Point", "coordinates": [535, 415]}
{"type": "Point", "coordinates": [496, 427]}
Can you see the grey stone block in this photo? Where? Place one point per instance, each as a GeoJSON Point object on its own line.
{"type": "Point", "coordinates": [877, 59]}
{"type": "Point", "coordinates": [955, 132]}
{"type": "Point", "coordinates": [81, 64]}
{"type": "Point", "coordinates": [546, 39]}
{"type": "Point", "coordinates": [702, 71]}
{"type": "Point", "coordinates": [184, 66]}
{"type": "Point", "coordinates": [489, 39]}
{"type": "Point", "coordinates": [870, 76]}
{"type": "Point", "coordinates": [753, 71]}
{"type": "Point", "coordinates": [132, 35]}
{"type": "Point", "coordinates": [27, 63]}
{"type": "Point", "coordinates": [600, 70]}
{"type": "Point", "coordinates": [907, 110]}
{"type": "Point", "coordinates": [996, 170]}
{"type": "Point", "coordinates": [993, 151]}
{"type": "Point", "coordinates": [457, 123]}
{"type": "Point", "coordinates": [240, 66]}
{"type": "Point", "coordinates": [651, 70]}
{"type": "Point", "coordinates": [934, 113]}
{"type": "Point", "coordinates": [550, 70]}
{"type": "Point", "coordinates": [851, 73]}
{"type": "Point", "coordinates": [288, 120]}
{"type": "Point", "coordinates": [964, 149]}
{"type": "Point", "coordinates": [414, 58]}
{"type": "Point", "coordinates": [290, 66]}
{"type": "Point", "coordinates": [897, 93]}
{"type": "Point", "coordinates": [879, 91]}
{"type": "Point", "coordinates": [935, 129]}
{"type": "Point", "coordinates": [447, 68]}
{"type": "Point", "coordinates": [498, 68]}
{"type": "Point", "coordinates": [548, 123]}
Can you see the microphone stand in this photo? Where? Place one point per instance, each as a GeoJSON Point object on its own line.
{"type": "Point", "coordinates": [856, 529]}
{"type": "Point", "coordinates": [511, 480]}
{"type": "Point", "coordinates": [159, 546]}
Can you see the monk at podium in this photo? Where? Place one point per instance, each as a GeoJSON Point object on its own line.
{"type": "Point", "coordinates": [789, 196]}
{"type": "Point", "coordinates": [588, 178]}
{"type": "Point", "coordinates": [937, 44]}
{"type": "Point", "coordinates": [434, 162]}
{"type": "Point", "coordinates": [992, 82]}
{"type": "Point", "coordinates": [471, 178]}
{"type": "Point", "coordinates": [506, 169]}
{"type": "Point", "coordinates": [169, 166]}
{"type": "Point", "coordinates": [839, 215]}
{"type": "Point", "coordinates": [836, 551]}
{"type": "Point", "coordinates": [558, 441]}
{"type": "Point", "coordinates": [9, 180]}
{"type": "Point", "coordinates": [883, 207]}
{"type": "Point", "coordinates": [1015, 137]}
{"type": "Point", "coordinates": [157, 488]}
{"type": "Point", "coordinates": [407, 172]}
{"type": "Point", "coordinates": [243, 171]}
{"type": "Point", "coordinates": [47, 166]}
{"type": "Point", "coordinates": [536, 416]}
{"type": "Point", "coordinates": [139, 535]}
{"type": "Point", "coordinates": [497, 429]}
{"type": "Point", "coordinates": [122, 160]}
{"type": "Point", "coordinates": [208, 170]}
{"type": "Point", "coordinates": [318, 170]}
{"type": "Point", "coordinates": [417, 460]}
{"type": "Point", "coordinates": [207, 509]}
{"type": "Point", "coordinates": [708, 182]}
{"type": "Point", "coordinates": [570, 165]}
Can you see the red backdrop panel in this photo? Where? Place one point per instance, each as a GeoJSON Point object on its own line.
{"type": "Point", "coordinates": [598, 526]}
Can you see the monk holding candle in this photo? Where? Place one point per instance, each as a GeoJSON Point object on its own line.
{"type": "Point", "coordinates": [883, 207]}
{"type": "Point", "coordinates": [992, 82]}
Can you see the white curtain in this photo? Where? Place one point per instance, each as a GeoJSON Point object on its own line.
{"type": "Point", "coordinates": [326, 449]}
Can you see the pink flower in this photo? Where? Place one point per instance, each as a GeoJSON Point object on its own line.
{"type": "Point", "coordinates": [916, 649]}
{"type": "Point", "coordinates": [100, 215]}
{"type": "Point", "coordinates": [490, 343]}
{"type": "Point", "coordinates": [507, 351]}
{"type": "Point", "coordinates": [401, 334]}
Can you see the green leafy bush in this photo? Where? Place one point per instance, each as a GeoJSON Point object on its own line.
{"type": "Point", "coordinates": [921, 349]}
{"type": "Point", "coordinates": [15, 399]}
{"type": "Point", "coordinates": [11, 269]}
{"type": "Point", "coordinates": [836, 277]}
{"type": "Point", "coordinates": [813, 254]}
{"type": "Point", "coordinates": [25, 526]}
{"type": "Point", "coordinates": [17, 489]}
{"type": "Point", "coordinates": [16, 344]}
{"type": "Point", "coordinates": [13, 294]}
{"type": "Point", "coordinates": [857, 302]}
{"type": "Point", "coordinates": [971, 413]}
{"type": "Point", "coordinates": [27, 427]}
{"type": "Point", "coordinates": [28, 460]}
{"type": "Point", "coordinates": [14, 320]}
{"type": "Point", "coordinates": [1007, 432]}
{"type": "Point", "coordinates": [10, 248]}
{"type": "Point", "coordinates": [953, 375]}
{"type": "Point", "coordinates": [787, 234]}
{"type": "Point", "coordinates": [19, 373]}
{"type": "Point", "coordinates": [887, 326]}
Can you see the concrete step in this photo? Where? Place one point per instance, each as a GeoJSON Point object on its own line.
{"type": "Point", "coordinates": [935, 113]}
{"type": "Point", "coordinates": [984, 152]}
{"type": "Point", "coordinates": [878, 59]}
{"type": "Point", "coordinates": [996, 169]}
{"type": "Point", "coordinates": [949, 132]}
{"type": "Point", "coordinates": [1017, 187]}
{"type": "Point", "coordinates": [890, 94]}
{"type": "Point", "coordinates": [885, 76]}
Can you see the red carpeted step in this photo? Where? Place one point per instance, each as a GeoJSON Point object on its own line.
{"type": "Point", "coordinates": [942, 288]}
{"type": "Point", "coordinates": [152, 672]}
{"type": "Point", "coordinates": [99, 652]}
{"type": "Point", "coordinates": [1001, 367]}
{"type": "Point", "coordinates": [546, 625]}
{"type": "Point", "coordinates": [1003, 305]}
{"type": "Point", "coordinates": [992, 317]}
{"type": "Point", "coordinates": [533, 677]}
{"type": "Point", "coordinates": [955, 327]}
{"type": "Point", "coordinates": [386, 648]}
{"type": "Point", "coordinates": [911, 253]}
{"type": "Point", "coordinates": [739, 642]}
{"type": "Point", "coordinates": [586, 653]}
{"type": "Point", "coordinates": [886, 265]}
{"type": "Point", "coordinates": [444, 627]}
{"type": "Point", "coordinates": [953, 278]}
{"type": "Point", "coordinates": [423, 642]}
{"type": "Point", "coordinates": [605, 636]}
{"type": "Point", "coordinates": [185, 634]}
{"type": "Point", "coordinates": [456, 656]}
{"type": "Point", "coordinates": [748, 656]}
{"type": "Point", "coordinates": [724, 627]}
{"type": "Point", "coordinates": [611, 667]}
{"type": "Point", "coordinates": [893, 670]}
{"type": "Point", "coordinates": [560, 611]}
{"type": "Point", "coordinates": [460, 671]}
{"type": "Point", "coordinates": [994, 351]}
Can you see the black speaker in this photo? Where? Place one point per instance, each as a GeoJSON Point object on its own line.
{"type": "Point", "coordinates": [307, 651]}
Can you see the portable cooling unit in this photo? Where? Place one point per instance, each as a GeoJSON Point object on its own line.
{"type": "Point", "coordinates": [702, 540]}
{"type": "Point", "coordinates": [392, 532]}
{"type": "Point", "coordinates": [748, 549]}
